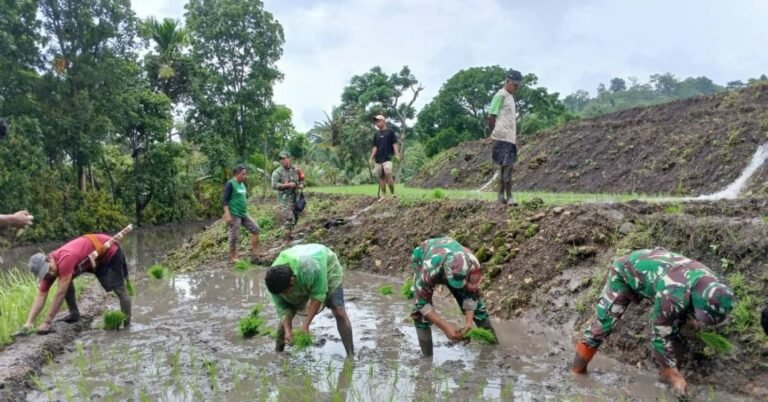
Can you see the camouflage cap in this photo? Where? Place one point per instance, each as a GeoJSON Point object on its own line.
{"type": "Point", "coordinates": [711, 300]}
{"type": "Point", "coordinates": [284, 154]}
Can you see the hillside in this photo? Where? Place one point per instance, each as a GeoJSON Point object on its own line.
{"type": "Point", "coordinates": [687, 147]}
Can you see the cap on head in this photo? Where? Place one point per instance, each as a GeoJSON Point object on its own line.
{"type": "Point", "coordinates": [515, 76]}
{"type": "Point", "coordinates": [711, 302]}
{"type": "Point", "coordinates": [38, 265]}
{"type": "Point", "coordinates": [284, 155]}
{"type": "Point", "coordinates": [380, 117]}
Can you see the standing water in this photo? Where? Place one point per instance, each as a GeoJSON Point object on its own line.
{"type": "Point", "coordinates": [734, 189]}
{"type": "Point", "coordinates": [183, 345]}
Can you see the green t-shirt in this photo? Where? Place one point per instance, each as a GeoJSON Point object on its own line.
{"type": "Point", "coordinates": [238, 200]}
{"type": "Point", "coordinates": [318, 272]}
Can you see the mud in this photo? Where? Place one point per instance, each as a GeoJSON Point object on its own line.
{"type": "Point", "coordinates": [687, 147]}
{"type": "Point", "coordinates": [25, 356]}
{"type": "Point", "coordinates": [184, 345]}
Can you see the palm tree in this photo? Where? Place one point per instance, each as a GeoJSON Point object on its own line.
{"type": "Point", "coordinates": [169, 37]}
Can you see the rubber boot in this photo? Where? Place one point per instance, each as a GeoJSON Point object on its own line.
{"type": "Point", "coordinates": [424, 336]}
{"type": "Point", "coordinates": [584, 355]}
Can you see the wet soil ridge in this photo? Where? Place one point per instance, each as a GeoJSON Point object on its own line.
{"type": "Point", "coordinates": [26, 355]}
{"type": "Point", "coordinates": [549, 263]}
{"type": "Point", "coordinates": [688, 147]}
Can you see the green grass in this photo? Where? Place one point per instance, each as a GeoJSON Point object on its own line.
{"type": "Point", "coordinates": [243, 265]}
{"type": "Point", "coordinates": [158, 271]}
{"type": "Point", "coordinates": [386, 290]}
{"type": "Point", "coordinates": [302, 339]}
{"type": "Point", "coordinates": [411, 193]}
{"type": "Point", "coordinates": [256, 310]}
{"type": "Point", "coordinates": [18, 290]}
{"type": "Point", "coordinates": [481, 335]}
{"type": "Point", "coordinates": [113, 319]}
{"type": "Point", "coordinates": [407, 289]}
{"type": "Point", "coordinates": [716, 343]}
{"type": "Point", "coordinates": [249, 326]}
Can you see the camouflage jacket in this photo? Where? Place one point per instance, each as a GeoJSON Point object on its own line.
{"type": "Point", "coordinates": [282, 175]}
{"type": "Point", "coordinates": [443, 260]}
{"type": "Point", "coordinates": [680, 288]}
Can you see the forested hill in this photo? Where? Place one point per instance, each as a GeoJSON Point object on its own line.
{"type": "Point", "coordinates": [687, 147]}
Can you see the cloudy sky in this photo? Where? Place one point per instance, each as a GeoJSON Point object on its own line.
{"type": "Point", "coordinates": [568, 44]}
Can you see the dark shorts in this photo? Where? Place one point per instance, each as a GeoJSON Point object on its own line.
{"type": "Point", "coordinates": [113, 273]}
{"type": "Point", "coordinates": [504, 153]}
{"type": "Point", "coordinates": [335, 298]}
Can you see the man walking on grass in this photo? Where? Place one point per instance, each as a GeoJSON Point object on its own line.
{"type": "Point", "coordinates": [235, 202]}
{"type": "Point", "coordinates": [503, 125]}
{"type": "Point", "coordinates": [384, 148]}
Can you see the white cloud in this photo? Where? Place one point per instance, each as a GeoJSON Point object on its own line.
{"type": "Point", "coordinates": [569, 45]}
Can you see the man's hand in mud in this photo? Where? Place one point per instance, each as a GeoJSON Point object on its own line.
{"type": "Point", "coordinates": [454, 334]}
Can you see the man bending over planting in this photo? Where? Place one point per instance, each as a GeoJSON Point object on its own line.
{"type": "Point", "coordinates": [442, 260]}
{"type": "Point", "coordinates": [308, 273]}
{"type": "Point", "coordinates": [66, 263]}
{"type": "Point", "coordinates": [682, 290]}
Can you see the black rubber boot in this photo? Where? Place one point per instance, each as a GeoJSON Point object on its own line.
{"type": "Point", "coordinates": [425, 340]}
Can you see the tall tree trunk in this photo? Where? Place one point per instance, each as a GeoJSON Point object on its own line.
{"type": "Point", "coordinates": [81, 182]}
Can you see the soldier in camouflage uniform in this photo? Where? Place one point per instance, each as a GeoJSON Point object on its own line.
{"type": "Point", "coordinates": [681, 289]}
{"type": "Point", "coordinates": [286, 179]}
{"type": "Point", "coordinates": [443, 260]}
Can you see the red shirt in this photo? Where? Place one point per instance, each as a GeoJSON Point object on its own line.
{"type": "Point", "coordinates": [69, 255]}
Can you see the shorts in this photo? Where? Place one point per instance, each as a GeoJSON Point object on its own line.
{"type": "Point", "coordinates": [335, 298]}
{"type": "Point", "coordinates": [113, 273]}
{"type": "Point", "coordinates": [386, 167]}
{"type": "Point", "coordinates": [504, 153]}
{"type": "Point", "coordinates": [234, 229]}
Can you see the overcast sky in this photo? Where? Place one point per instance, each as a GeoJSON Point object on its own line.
{"type": "Point", "coordinates": [568, 44]}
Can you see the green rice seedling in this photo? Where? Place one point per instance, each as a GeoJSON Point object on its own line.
{"type": "Point", "coordinates": [302, 339]}
{"type": "Point", "coordinates": [249, 326]}
{"type": "Point", "coordinates": [481, 335]}
{"type": "Point", "coordinates": [212, 371]}
{"type": "Point", "coordinates": [438, 194]}
{"type": "Point", "coordinates": [113, 319]}
{"type": "Point", "coordinates": [256, 310]}
{"type": "Point", "coordinates": [243, 265]}
{"type": "Point", "coordinates": [268, 332]}
{"type": "Point", "coordinates": [407, 289]}
{"type": "Point", "coordinates": [158, 271]}
{"type": "Point", "coordinates": [717, 343]}
{"type": "Point", "coordinates": [386, 290]}
{"type": "Point", "coordinates": [129, 288]}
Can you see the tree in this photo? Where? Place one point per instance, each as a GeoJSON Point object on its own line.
{"type": "Point", "coordinates": [19, 57]}
{"type": "Point", "coordinates": [577, 100]}
{"type": "Point", "coordinates": [86, 41]}
{"type": "Point", "coordinates": [236, 44]}
{"type": "Point", "coordinates": [618, 85]}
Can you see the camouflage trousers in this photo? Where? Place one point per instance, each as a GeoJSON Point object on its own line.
{"type": "Point", "coordinates": [614, 299]}
{"type": "Point", "coordinates": [481, 313]}
{"type": "Point", "coordinates": [284, 215]}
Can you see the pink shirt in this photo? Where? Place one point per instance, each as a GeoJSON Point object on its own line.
{"type": "Point", "coordinates": [69, 255]}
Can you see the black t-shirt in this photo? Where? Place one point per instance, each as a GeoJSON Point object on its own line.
{"type": "Point", "coordinates": [384, 141]}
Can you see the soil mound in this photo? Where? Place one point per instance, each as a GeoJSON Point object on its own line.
{"type": "Point", "coordinates": [686, 147]}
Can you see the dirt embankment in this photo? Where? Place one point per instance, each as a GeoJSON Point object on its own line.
{"type": "Point", "coordinates": [687, 147]}
{"type": "Point", "coordinates": [24, 357]}
{"type": "Point", "coordinates": [549, 263]}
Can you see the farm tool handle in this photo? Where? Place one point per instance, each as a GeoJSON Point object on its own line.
{"type": "Point", "coordinates": [119, 236]}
